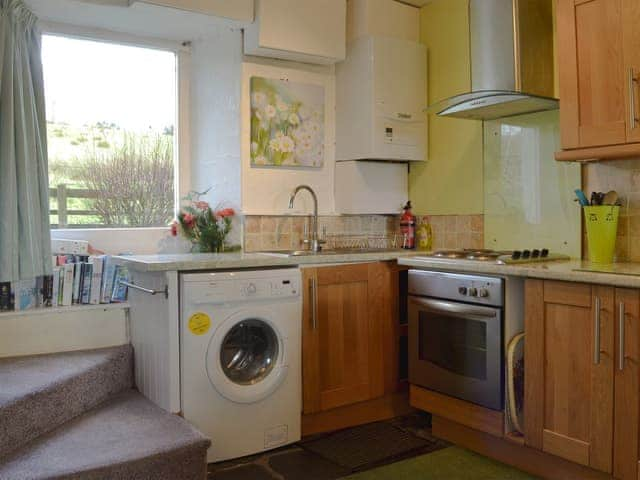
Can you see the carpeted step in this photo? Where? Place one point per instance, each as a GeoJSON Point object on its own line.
{"type": "Point", "coordinates": [40, 393]}
{"type": "Point", "coordinates": [127, 437]}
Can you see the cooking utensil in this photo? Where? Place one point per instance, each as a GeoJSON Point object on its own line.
{"type": "Point", "coordinates": [597, 198]}
{"type": "Point", "coordinates": [582, 198]}
{"type": "Point", "coordinates": [611, 198]}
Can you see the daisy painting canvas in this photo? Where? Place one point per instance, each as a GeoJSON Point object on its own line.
{"type": "Point", "coordinates": [287, 123]}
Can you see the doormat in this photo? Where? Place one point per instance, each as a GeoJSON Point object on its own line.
{"type": "Point", "coordinates": [369, 445]}
{"type": "Point", "coordinates": [452, 463]}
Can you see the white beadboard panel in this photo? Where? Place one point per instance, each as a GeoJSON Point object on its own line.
{"type": "Point", "coordinates": [528, 196]}
{"type": "Point", "coordinates": [63, 330]}
{"type": "Point", "coordinates": [154, 335]}
{"type": "Point", "coordinates": [266, 190]}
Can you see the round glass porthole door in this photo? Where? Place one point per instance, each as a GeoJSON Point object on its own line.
{"type": "Point", "coordinates": [249, 352]}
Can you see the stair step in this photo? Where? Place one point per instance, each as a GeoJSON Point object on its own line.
{"type": "Point", "coordinates": [127, 437]}
{"type": "Point", "coordinates": [40, 393]}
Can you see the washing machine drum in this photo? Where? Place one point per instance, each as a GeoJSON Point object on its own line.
{"type": "Point", "coordinates": [245, 358]}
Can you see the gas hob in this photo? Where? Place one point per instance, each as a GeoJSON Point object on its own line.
{"type": "Point", "coordinates": [500, 257]}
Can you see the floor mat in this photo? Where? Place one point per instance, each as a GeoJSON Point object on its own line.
{"type": "Point", "coordinates": [452, 463]}
{"type": "Point", "coordinates": [368, 445]}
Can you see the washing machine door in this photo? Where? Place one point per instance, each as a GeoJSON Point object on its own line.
{"type": "Point", "coordinates": [246, 357]}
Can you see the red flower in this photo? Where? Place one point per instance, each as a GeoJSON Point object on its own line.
{"type": "Point", "coordinates": [174, 228]}
{"type": "Point", "coordinates": [225, 212]}
{"type": "Point", "coordinates": [189, 220]}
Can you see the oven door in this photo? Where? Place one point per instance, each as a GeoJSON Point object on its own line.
{"type": "Point", "coordinates": [456, 349]}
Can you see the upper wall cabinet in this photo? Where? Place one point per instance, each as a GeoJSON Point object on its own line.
{"type": "Point", "coordinates": [599, 69]}
{"type": "Point", "coordinates": [241, 10]}
{"type": "Point", "coordinates": [310, 31]}
{"type": "Point", "coordinates": [381, 90]}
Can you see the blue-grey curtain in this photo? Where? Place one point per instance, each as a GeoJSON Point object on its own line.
{"type": "Point", "coordinates": [25, 238]}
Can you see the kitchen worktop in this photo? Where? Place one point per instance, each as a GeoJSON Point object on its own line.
{"type": "Point", "coordinates": [617, 274]}
{"type": "Point", "coordinates": [235, 260]}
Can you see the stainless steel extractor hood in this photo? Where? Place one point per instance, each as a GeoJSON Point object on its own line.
{"type": "Point", "coordinates": [512, 66]}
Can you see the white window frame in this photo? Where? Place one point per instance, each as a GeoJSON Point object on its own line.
{"type": "Point", "coordinates": [141, 239]}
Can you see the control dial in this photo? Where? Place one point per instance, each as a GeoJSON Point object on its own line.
{"type": "Point", "coordinates": [483, 293]}
{"type": "Point", "coordinates": [251, 289]}
{"type": "Point", "coordinates": [462, 290]}
{"type": "Point", "coordinates": [473, 292]}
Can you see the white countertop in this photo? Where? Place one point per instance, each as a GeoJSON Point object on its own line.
{"type": "Point", "coordinates": [236, 260]}
{"type": "Point", "coordinates": [617, 274]}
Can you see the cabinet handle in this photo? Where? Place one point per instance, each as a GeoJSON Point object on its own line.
{"type": "Point", "coordinates": [621, 318]}
{"type": "Point", "coordinates": [314, 302]}
{"type": "Point", "coordinates": [632, 99]}
{"type": "Point", "coordinates": [596, 333]}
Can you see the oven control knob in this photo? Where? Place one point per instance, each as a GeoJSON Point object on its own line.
{"type": "Point", "coordinates": [462, 290]}
{"type": "Point", "coordinates": [483, 292]}
{"type": "Point", "coordinates": [473, 292]}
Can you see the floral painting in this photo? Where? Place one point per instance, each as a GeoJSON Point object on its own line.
{"type": "Point", "coordinates": [287, 123]}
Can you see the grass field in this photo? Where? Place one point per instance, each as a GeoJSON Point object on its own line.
{"type": "Point", "coordinates": [70, 147]}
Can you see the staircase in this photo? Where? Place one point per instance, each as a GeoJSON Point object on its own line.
{"type": "Point", "coordinates": [76, 416]}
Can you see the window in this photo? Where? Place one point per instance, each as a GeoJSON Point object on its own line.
{"type": "Point", "coordinates": [111, 116]}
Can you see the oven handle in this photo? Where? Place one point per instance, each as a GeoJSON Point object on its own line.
{"type": "Point", "coordinates": [440, 306]}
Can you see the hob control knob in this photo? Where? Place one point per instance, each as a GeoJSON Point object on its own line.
{"type": "Point", "coordinates": [462, 290]}
{"type": "Point", "coordinates": [251, 289]}
{"type": "Point", "coordinates": [483, 292]}
{"type": "Point", "coordinates": [473, 292]}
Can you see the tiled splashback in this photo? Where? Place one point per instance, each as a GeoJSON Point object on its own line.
{"type": "Point", "coordinates": [287, 232]}
{"type": "Point", "coordinates": [624, 177]}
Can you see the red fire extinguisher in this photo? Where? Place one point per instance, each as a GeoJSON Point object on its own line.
{"type": "Point", "coordinates": [408, 227]}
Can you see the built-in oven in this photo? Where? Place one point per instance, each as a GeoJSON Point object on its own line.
{"type": "Point", "coordinates": [456, 327]}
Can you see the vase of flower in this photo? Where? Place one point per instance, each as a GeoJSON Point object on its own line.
{"type": "Point", "coordinates": [205, 227]}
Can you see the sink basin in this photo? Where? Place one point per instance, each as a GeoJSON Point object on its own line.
{"type": "Point", "coordinates": [336, 251]}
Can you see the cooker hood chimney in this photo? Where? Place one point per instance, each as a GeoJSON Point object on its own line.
{"type": "Point", "coordinates": [512, 68]}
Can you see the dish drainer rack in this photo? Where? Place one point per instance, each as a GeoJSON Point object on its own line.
{"type": "Point", "coordinates": [355, 241]}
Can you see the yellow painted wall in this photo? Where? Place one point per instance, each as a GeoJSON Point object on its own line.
{"type": "Point", "coordinates": [451, 181]}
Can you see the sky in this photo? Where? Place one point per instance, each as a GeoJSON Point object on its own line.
{"type": "Point", "coordinates": [88, 82]}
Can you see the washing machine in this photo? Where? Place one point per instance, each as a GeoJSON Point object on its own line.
{"type": "Point", "coordinates": [240, 359]}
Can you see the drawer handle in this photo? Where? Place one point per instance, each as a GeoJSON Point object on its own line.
{"type": "Point", "coordinates": [633, 120]}
{"type": "Point", "coordinates": [621, 318]}
{"type": "Point", "coordinates": [314, 302]}
{"type": "Point", "coordinates": [596, 333]}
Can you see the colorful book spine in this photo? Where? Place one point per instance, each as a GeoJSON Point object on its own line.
{"type": "Point", "coordinates": [25, 294]}
{"type": "Point", "coordinates": [68, 280]}
{"type": "Point", "coordinates": [55, 286]}
{"type": "Point", "coordinates": [119, 294]}
{"type": "Point", "coordinates": [108, 275]}
{"type": "Point", "coordinates": [6, 297]}
{"type": "Point", "coordinates": [85, 288]}
{"type": "Point", "coordinates": [97, 265]}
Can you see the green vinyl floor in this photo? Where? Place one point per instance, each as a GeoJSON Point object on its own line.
{"type": "Point", "coordinates": [452, 463]}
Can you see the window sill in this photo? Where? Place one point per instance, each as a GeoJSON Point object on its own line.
{"type": "Point", "coordinates": [62, 310]}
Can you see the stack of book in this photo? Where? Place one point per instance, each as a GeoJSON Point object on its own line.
{"type": "Point", "coordinates": [76, 280]}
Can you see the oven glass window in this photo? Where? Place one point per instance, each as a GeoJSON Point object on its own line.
{"type": "Point", "coordinates": [456, 344]}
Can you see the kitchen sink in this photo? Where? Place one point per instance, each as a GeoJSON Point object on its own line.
{"type": "Point", "coordinates": [335, 251]}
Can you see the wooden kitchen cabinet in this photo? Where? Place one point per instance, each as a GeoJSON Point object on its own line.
{"type": "Point", "coordinates": [599, 68]}
{"type": "Point", "coordinates": [349, 343]}
{"type": "Point", "coordinates": [582, 378]}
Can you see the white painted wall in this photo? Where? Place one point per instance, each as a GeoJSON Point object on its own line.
{"type": "Point", "coordinates": [62, 329]}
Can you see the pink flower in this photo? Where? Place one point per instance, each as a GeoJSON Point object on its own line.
{"type": "Point", "coordinates": [201, 205]}
{"type": "Point", "coordinates": [174, 228]}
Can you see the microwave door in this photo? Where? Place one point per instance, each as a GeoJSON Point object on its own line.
{"type": "Point", "coordinates": [456, 349]}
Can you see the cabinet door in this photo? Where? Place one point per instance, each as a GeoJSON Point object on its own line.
{"type": "Point", "coordinates": [569, 380]}
{"type": "Point", "coordinates": [631, 39]}
{"type": "Point", "coordinates": [627, 384]}
{"type": "Point", "coordinates": [591, 72]}
{"type": "Point", "coordinates": [342, 336]}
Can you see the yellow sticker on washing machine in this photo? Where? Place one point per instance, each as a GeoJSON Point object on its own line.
{"type": "Point", "coordinates": [199, 323]}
